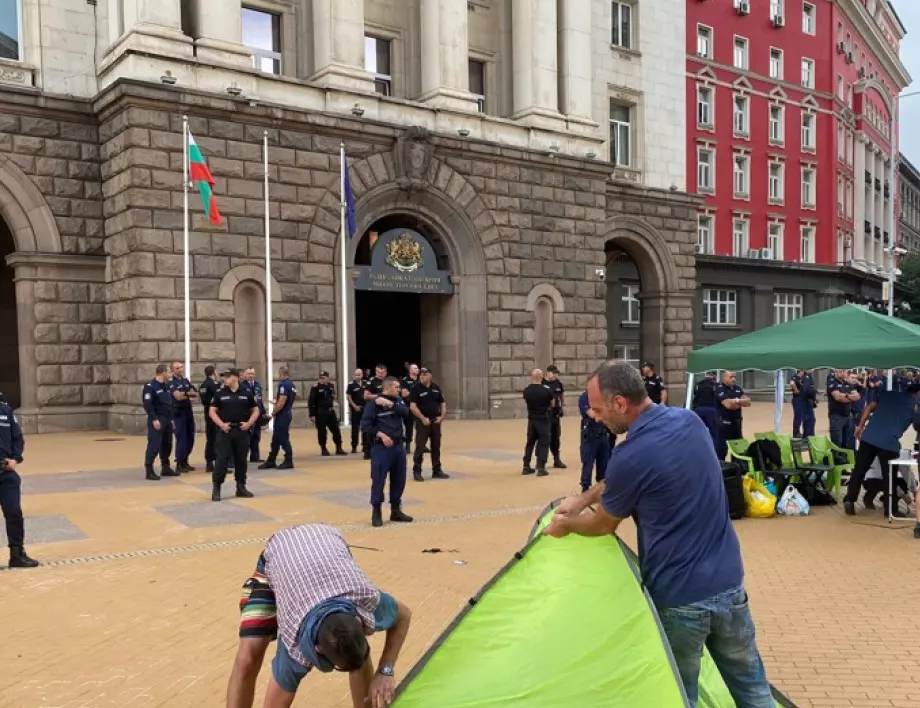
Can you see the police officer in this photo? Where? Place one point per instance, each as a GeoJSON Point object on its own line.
{"type": "Point", "coordinates": [183, 393]}
{"type": "Point", "coordinates": [731, 399]}
{"type": "Point", "coordinates": [384, 421]}
{"type": "Point", "coordinates": [206, 394]}
{"type": "Point", "coordinates": [234, 412]}
{"type": "Point", "coordinates": [255, 435]}
{"type": "Point", "coordinates": [158, 406]}
{"type": "Point", "coordinates": [804, 400]}
{"type": "Point", "coordinates": [374, 387]}
{"type": "Point", "coordinates": [283, 414]}
{"type": "Point", "coordinates": [428, 408]}
{"type": "Point", "coordinates": [840, 399]}
{"type": "Point", "coordinates": [322, 414]}
{"type": "Point", "coordinates": [539, 399]}
{"type": "Point", "coordinates": [704, 404]}
{"type": "Point", "coordinates": [596, 444]}
{"type": "Point", "coordinates": [654, 384]}
{"type": "Point", "coordinates": [12, 445]}
{"type": "Point", "coordinates": [356, 403]}
{"type": "Point", "coordinates": [405, 389]}
{"type": "Point", "coordinates": [555, 415]}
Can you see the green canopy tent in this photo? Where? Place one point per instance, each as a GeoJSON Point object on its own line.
{"type": "Point", "coordinates": [564, 623]}
{"type": "Point", "coordinates": [845, 337]}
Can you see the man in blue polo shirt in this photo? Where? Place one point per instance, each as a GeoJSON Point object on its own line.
{"type": "Point", "coordinates": [667, 477]}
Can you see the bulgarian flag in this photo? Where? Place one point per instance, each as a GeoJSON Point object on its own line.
{"type": "Point", "coordinates": [198, 172]}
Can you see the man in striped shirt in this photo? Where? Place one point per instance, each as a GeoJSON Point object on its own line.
{"type": "Point", "coordinates": [308, 592]}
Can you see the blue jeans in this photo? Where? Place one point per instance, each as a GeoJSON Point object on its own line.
{"type": "Point", "coordinates": [722, 624]}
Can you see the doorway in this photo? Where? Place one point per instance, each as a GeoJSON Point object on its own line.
{"type": "Point", "coordinates": [388, 330]}
{"type": "Point", "coordinates": [9, 342]}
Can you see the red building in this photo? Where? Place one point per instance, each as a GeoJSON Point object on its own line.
{"type": "Point", "coordinates": [789, 107]}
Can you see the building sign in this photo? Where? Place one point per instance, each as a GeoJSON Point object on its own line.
{"type": "Point", "coordinates": [402, 260]}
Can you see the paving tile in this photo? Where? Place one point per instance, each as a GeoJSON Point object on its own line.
{"type": "Point", "coordinates": [493, 455]}
{"type": "Point", "coordinates": [90, 481]}
{"type": "Point", "coordinates": [204, 514]}
{"type": "Point", "coordinates": [355, 498]}
{"type": "Point", "coordinates": [256, 486]}
{"type": "Point", "coordinates": [47, 529]}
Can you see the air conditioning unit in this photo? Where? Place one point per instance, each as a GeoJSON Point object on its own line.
{"type": "Point", "coordinates": [861, 73]}
{"type": "Point", "coordinates": [753, 253]}
{"type": "Point", "coordinates": [778, 21]}
{"type": "Point", "coordinates": [766, 254]}
{"type": "Point", "coordinates": [698, 249]}
{"type": "Point", "coordinates": [744, 7]}
{"type": "Point", "coordinates": [841, 47]}
{"type": "Point", "coordinates": [849, 57]}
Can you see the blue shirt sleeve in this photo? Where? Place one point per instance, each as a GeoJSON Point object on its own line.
{"type": "Point", "coordinates": [386, 614]}
{"type": "Point", "coordinates": [401, 409]}
{"type": "Point", "coordinates": [149, 393]}
{"type": "Point", "coordinates": [18, 441]}
{"type": "Point", "coordinates": [583, 404]}
{"type": "Point", "coordinates": [367, 418]}
{"type": "Point", "coordinates": [623, 486]}
{"type": "Point", "coordinates": [721, 393]}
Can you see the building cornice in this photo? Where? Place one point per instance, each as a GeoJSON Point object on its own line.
{"type": "Point", "coordinates": [866, 26]}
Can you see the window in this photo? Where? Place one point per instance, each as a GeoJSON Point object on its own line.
{"type": "Point", "coordinates": [841, 93]}
{"type": "Point", "coordinates": [720, 307]}
{"type": "Point", "coordinates": [808, 131]}
{"type": "Point", "coordinates": [841, 247]}
{"type": "Point", "coordinates": [704, 111]}
{"type": "Point", "coordinates": [787, 307]}
{"type": "Point", "coordinates": [741, 53]}
{"type": "Point", "coordinates": [808, 73]}
{"type": "Point", "coordinates": [776, 9]}
{"type": "Point", "coordinates": [622, 25]}
{"type": "Point", "coordinates": [841, 143]}
{"type": "Point", "coordinates": [740, 238]}
{"type": "Point", "coordinates": [775, 182]}
{"type": "Point", "coordinates": [850, 148]}
{"type": "Point", "coordinates": [742, 176]}
{"type": "Point", "coordinates": [478, 83]}
{"type": "Point", "coordinates": [808, 187]}
{"type": "Point", "coordinates": [261, 35]}
{"type": "Point", "coordinates": [808, 18]}
{"type": "Point", "coordinates": [629, 354]}
{"type": "Point", "coordinates": [705, 170]}
{"type": "Point", "coordinates": [704, 231]}
{"type": "Point", "coordinates": [9, 30]}
{"type": "Point", "coordinates": [776, 64]}
{"type": "Point", "coordinates": [807, 253]}
{"type": "Point", "coordinates": [777, 124]}
{"type": "Point", "coordinates": [849, 96]}
{"type": "Point", "coordinates": [377, 62]}
{"type": "Point", "coordinates": [620, 134]}
{"type": "Point", "coordinates": [775, 240]}
{"type": "Point", "coordinates": [704, 41]}
{"type": "Point", "coordinates": [631, 305]}
{"type": "Point", "coordinates": [741, 115]}
{"type": "Point", "coordinates": [840, 193]}
{"type": "Point", "coordinates": [848, 206]}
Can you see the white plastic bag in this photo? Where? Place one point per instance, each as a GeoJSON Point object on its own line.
{"type": "Point", "coordinates": [792, 503]}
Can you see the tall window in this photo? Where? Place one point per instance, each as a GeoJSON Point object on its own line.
{"type": "Point", "coordinates": [631, 305]}
{"type": "Point", "coordinates": [9, 30]}
{"type": "Point", "coordinates": [848, 204]}
{"type": "Point", "coordinates": [742, 115]}
{"type": "Point", "coordinates": [704, 112]}
{"type": "Point", "coordinates": [742, 175]}
{"type": "Point", "coordinates": [622, 25]}
{"type": "Point", "coordinates": [628, 353]}
{"type": "Point", "coordinates": [807, 252]}
{"type": "Point", "coordinates": [808, 18]}
{"type": "Point", "coordinates": [776, 63]}
{"type": "Point", "coordinates": [377, 60]}
{"type": "Point", "coordinates": [740, 238]}
{"type": "Point", "coordinates": [840, 195]}
{"type": "Point", "coordinates": [841, 143]}
{"type": "Point", "coordinates": [741, 53]}
{"type": "Point", "coordinates": [620, 134]}
{"type": "Point", "coordinates": [720, 307]}
{"type": "Point", "coordinates": [704, 41]}
{"type": "Point", "coordinates": [777, 124]}
{"type": "Point", "coordinates": [704, 230]}
{"type": "Point", "coordinates": [808, 131]}
{"type": "Point", "coordinates": [776, 9]}
{"type": "Point", "coordinates": [808, 186]}
{"type": "Point", "coordinates": [705, 170]}
{"type": "Point", "coordinates": [478, 83]}
{"type": "Point", "coordinates": [775, 182]}
{"type": "Point", "coordinates": [808, 73]}
{"type": "Point", "coordinates": [787, 307]}
{"type": "Point", "coordinates": [261, 35]}
{"type": "Point", "coordinates": [775, 240]}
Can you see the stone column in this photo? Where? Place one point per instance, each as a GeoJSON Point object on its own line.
{"type": "Point", "coordinates": [25, 327]}
{"type": "Point", "coordinates": [859, 200]}
{"type": "Point", "coordinates": [577, 74]}
{"type": "Point", "coordinates": [338, 44]}
{"type": "Point", "coordinates": [535, 76]}
{"type": "Point", "coordinates": [870, 204]}
{"type": "Point", "coordinates": [151, 26]}
{"type": "Point", "coordinates": [445, 55]}
{"type": "Point", "coordinates": [219, 32]}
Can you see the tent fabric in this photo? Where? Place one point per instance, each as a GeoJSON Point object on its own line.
{"type": "Point", "coordinates": [564, 623]}
{"type": "Point", "coordinates": [842, 338]}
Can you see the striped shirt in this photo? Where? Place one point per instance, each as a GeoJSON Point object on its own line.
{"type": "Point", "coordinates": [307, 565]}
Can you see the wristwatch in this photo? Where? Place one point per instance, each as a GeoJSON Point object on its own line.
{"type": "Point", "coordinates": [385, 670]}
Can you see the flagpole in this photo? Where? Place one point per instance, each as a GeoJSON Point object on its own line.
{"type": "Point", "coordinates": [185, 248]}
{"type": "Point", "coordinates": [343, 277]}
{"type": "Point", "coordinates": [269, 344]}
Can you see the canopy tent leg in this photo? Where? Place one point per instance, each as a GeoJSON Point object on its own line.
{"type": "Point", "coordinates": [689, 401]}
{"type": "Point", "coordinates": [778, 403]}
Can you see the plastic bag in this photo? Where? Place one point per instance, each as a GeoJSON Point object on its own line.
{"type": "Point", "coordinates": [792, 503]}
{"type": "Point", "coordinates": [771, 486]}
{"type": "Point", "coordinates": [758, 502]}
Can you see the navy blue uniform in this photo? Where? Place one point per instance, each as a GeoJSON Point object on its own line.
{"type": "Point", "coordinates": [405, 387]}
{"type": "Point", "coordinates": [183, 420]}
{"type": "Point", "coordinates": [555, 420]}
{"type": "Point", "coordinates": [12, 445]}
{"type": "Point", "coordinates": [654, 387]}
{"type": "Point", "coordinates": [255, 434]}
{"type": "Point", "coordinates": [804, 400]}
{"type": "Point", "coordinates": [157, 402]}
{"type": "Point", "coordinates": [206, 394]}
{"type": "Point", "coordinates": [840, 415]}
{"type": "Point", "coordinates": [428, 400]}
{"type": "Point", "coordinates": [707, 407]}
{"type": "Point", "coordinates": [355, 392]}
{"type": "Point", "coordinates": [730, 422]}
{"type": "Point", "coordinates": [596, 445]}
{"type": "Point", "coordinates": [320, 405]}
{"type": "Point", "coordinates": [386, 460]}
{"type": "Point", "coordinates": [281, 435]}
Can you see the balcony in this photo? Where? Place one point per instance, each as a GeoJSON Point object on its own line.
{"type": "Point", "coordinates": [878, 185]}
{"type": "Point", "coordinates": [887, 190]}
{"type": "Point", "coordinates": [878, 233]}
{"type": "Point", "coordinates": [868, 177]}
{"type": "Point", "coordinates": [868, 227]}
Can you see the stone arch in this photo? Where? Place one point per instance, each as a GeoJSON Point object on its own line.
{"type": "Point", "coordinates": [864, 85]}
{"type": "Point", "coordinates": [249, 325]}
{"type": "Point", "coordinates": [544, 301]}
{"type": "Point", "coordinates": [648, 249]}
{"type": "Point", "coordinates": [545, 290]}
{"type": "Point", "coordinates": [235, 276]}
{"type": "Point", "coordinates": [26, 212]}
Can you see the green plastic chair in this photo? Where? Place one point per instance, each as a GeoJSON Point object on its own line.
{"type": "Point", "coordinates": [736, 450]}
{"type": "Point", "coordinates": [769, 435]}
{"type": "Point", "coordinates": [822, 452]}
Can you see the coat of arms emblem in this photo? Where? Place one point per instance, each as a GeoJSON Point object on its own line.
{"type": "Point", "coordinates": [404, 253]}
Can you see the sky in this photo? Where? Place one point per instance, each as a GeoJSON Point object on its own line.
{"type": "Point", "coordinates": [909, 135]}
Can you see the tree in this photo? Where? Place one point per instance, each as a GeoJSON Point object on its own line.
{"type": "Point", "coordinates": [909, 286]}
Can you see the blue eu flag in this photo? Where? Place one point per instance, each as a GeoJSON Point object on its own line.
{"type": "Point", "coordinates": [349, 199]}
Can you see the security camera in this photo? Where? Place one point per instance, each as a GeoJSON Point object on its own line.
{"type": "Point", "coordinates": [234, 90]}
{"type": "Point", "coordinates": [357, 111]}
{"type": "Point", "coordinates": [463, 132]}
{"type": "Point", "coordinates": [168, 79]}
{"type": "Point", "coordinates": [600, 273]}
{"type": "Point", "coordinates": [590, 154]}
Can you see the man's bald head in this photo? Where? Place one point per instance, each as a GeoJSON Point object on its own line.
{"type": "Point", "coordinates": [536, 376]}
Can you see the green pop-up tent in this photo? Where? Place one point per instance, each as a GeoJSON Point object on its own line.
{"type": "Point", "coordinates": [565, 624]}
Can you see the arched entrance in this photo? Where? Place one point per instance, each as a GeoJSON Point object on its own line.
{"type": "Point", "coordinates": [9, 342]}
{"type": "Point", "coordinates": [249, 326]}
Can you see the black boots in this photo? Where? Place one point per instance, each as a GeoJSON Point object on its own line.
{"type": "Point", "coordinates": [559, 464]}
{"type": "Point", "coordinates": [376, 517]}
{"type": "Point", "coordinates": [215, 493]}
{"type": "Point", "coordinates": [20, 559]}
{"type": "Point", "coordinates": [286, 465]}
{"type": "Point", "coordinates": [527, 469]}
{"type": "Point", "coordinates": [151, 475]}
{"type": "Point", "coordinates": [541, 472]}
{"type": "Point", "coordinates": [209, 467]}
{"type": "Point", "coordinates": [396, 514]}
{"type": "Point", "coordinates": [168, 471]}
{"type": "Point", "coordinates": [438, 474]}
{"type": "Point", "coordinates": [417, 476]}
{"type": "Point", "coordinates": [243, 493]}
{"type": "Point", "coordinates": [269, 463]}
{"type": "Point", "coordinates": [339, 450]}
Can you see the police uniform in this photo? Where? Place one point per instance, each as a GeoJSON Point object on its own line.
{"type": "Point", "coordinates": [405, 390]}
{"type": "Point", "coordinates": [804, 399]}
{"type": "Point", "coordinates": [730, 422]}
{"type": "Point", "coordinates": [319, 403]}
{"type": "Point", "coordinates": [235, 409]}
{"type": "Point", "coordinates": [206, 394]}
{"type": "Point", "coordinates": [281, 435]}
{"type": "Point", "coordinates": [840, 419]}
{"type": "Point", "coordinates": [654, 386]}
{"type": "Point", "coordinates": [428, 400]}
{"type": "Point", "coordinates": [539, 399]}
{"type": "Point", "coordinates": [157, 402]}
{"type": "Point", "coordinates": [255, 433]}
{"type": "Point", "coordinates": [706, 406]}
{"type": "Point", "coordinates": [596, 445]}
{"type": "Point", "coordinates": [355, 393]}
{"type": "Point", "coordinates": [373, 387]}
{"type": "Point", "coordinates": [387, 461]}
{"type": "Point", "coordinates": [555, 421]}
{"type": "Point", "coordinates": [12, 445]}
{"type": "Point", "coordinates": [183, 422]}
